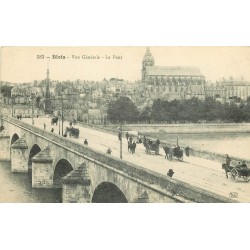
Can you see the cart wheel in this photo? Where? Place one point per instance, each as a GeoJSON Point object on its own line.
{"type": "Point", "coordinates": [246, 178]}
{"type": "Point", "coordinates": [234, 173]}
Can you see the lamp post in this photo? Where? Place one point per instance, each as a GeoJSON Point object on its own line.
{"type": "Point", "coordinates": [59, 126]}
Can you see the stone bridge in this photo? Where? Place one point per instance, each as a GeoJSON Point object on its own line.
{"type": "Point", "coordinates": [85, 174]}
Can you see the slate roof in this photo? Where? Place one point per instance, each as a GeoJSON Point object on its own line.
{"type": "Point", "coordinates": [172, 71]}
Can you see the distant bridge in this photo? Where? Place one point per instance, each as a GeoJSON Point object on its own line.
{"type": "Point", "coordinates": [85, 174]}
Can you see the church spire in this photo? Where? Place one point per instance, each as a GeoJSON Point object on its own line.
{"type": "Point", "coordinates": [47, 90]}
{"type": "Point", "coordinates": [148, 60]}
{"type": "Point", "coordinates": [47, 103]}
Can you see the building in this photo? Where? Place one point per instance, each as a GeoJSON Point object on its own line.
{"type": "Point", "coordinates": [171, 82]}
{"type": "Point", "coordinates": [229, 88]}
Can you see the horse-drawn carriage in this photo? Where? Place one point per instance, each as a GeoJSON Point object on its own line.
{"type": "Point", "coordinates": [72, 132]}
{"type": "Point", "coordinates": [237, 172]}
{"type": "Point", "coordinates": [175, 152]}
{"type": "Point", "coordinates": [151, 146]}
{"type": "Point", "coordinates": [54, 120]}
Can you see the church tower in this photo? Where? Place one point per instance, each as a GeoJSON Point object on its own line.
{"type": "Point", "coordinates": [148, 60]}
{"type": "Point", "coordinates": [47, 103]}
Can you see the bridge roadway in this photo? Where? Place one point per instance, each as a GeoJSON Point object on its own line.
{"type": "Point", "coordinates": [202, 173]}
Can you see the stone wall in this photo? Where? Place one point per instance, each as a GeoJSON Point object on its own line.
{"type": "Point", "coordinates": [190, 128]}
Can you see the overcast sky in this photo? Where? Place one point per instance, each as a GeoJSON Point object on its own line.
{"type": "Point", "coordinates": [20, 64]}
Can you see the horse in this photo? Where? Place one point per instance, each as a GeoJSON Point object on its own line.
{"type": "Point", "coordinates": [169, 153]}
{"type": "Point", "coordinates": [238, 171]}
{"type": "Point", "coordinates": [227, 168]}
{"type": "Point", "coordinates": [131, 147]}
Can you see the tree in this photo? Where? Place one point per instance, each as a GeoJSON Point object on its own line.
{"type": "Point", "coordinates": [145, 114]}
{"type": "Point", "coordinates": [122, 110]}
{"type": "Point", "coordinates": [6, 90]}
{"type": "Point", "coordinates": [38, 99]}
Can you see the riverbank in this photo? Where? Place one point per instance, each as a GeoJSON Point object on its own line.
{"type": "Point", "coordinates": [194, 128]}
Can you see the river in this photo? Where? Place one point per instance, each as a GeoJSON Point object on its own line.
{"type": "Point", "coordinates": [17, 188]}
{"type": "Point", "coordinates": [234, 144]}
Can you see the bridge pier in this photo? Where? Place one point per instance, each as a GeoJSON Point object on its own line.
{"type": "Point", "coordinates": [19, 156]}
{"type": "Point", "coordinates": [4, 145]}
{"type": "Point", "coordinates": [143, 198]}
{"type": "Point", "coordinates": [42, 170]}
{"type": "Point", "coordinates": [76, 186]}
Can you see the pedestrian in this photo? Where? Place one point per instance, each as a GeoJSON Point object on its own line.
{"type": "Point", "coordinates": [109, 151]}
{"type": "Point", "coordinates": [228, 160]}
{"type": "Point", "coordinates": [127, 136]}
{"type": "Point", "coordinates": [170, 172]}
{"type": "Point", "coordinates": [134, 146]}
{"type": "Point", "coordinates": [130, 139]}
{"type": "Point", "coordinates": [86, 142]}
{"type": "Point", "coordinates": [52, 130]}
{"type": "Point", "coordinates": [187, 149]}
{"type": "Point", "coordinates": [44, 126]}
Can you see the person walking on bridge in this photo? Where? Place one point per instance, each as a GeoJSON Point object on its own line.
{"type": "Point", "coordinates": [86, 142]}
{"type": "Point", "coordinates": [127, 136]}
{"type": "Point", "coordinates": [109, 151]}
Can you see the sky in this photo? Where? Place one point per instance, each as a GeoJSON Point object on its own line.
{"type": "Point", "coordinates": [23, 64]}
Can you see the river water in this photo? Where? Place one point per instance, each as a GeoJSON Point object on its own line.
{"type": "Point", "coordinates": [17, 188]}
{"type": "Point", "coordinates": [234, 144]}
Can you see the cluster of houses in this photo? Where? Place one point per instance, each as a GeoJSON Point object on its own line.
{"type": "Point", "coordinates": [85, 101]}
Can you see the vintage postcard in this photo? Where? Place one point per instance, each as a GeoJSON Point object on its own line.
{"type": "Point", "coordinates": [125, 124]}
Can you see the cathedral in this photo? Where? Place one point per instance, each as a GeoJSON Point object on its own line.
{"type": "Point", "coordinates": [170, 83]}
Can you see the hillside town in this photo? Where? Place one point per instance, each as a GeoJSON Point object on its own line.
{"type": "Point", "coordinates": [87, 101]}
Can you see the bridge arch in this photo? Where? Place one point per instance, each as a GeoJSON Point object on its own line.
{"type": "Point", "coordinates": [107, 192]}
{"type": "Point", "coordinates": [14, 138]}
{"type": "Point", "coordinates": [35, 149]}
{"type": "Point", "coordinates": [62, 168]}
